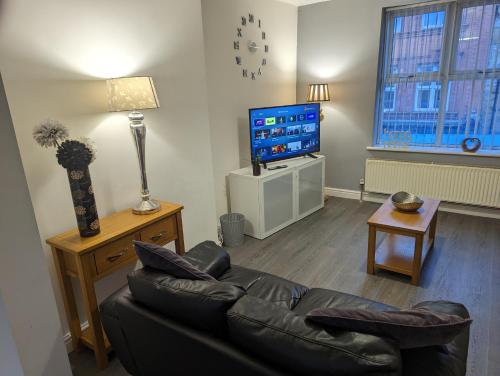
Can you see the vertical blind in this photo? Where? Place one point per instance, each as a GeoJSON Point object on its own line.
{"type": "Point", "coordinates": [439, 79]}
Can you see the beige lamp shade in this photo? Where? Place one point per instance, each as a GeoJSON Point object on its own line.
{"type": "Point", "coordinates": [131, 93]}
{"type": "Point", "coordinates": [318, 93]}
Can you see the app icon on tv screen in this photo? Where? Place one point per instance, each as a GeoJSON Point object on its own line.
{"type": "Point", "coordinates": [278, 132]}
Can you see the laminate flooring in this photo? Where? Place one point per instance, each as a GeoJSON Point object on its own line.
{"type": "Point", "coordinates": [328, 250]}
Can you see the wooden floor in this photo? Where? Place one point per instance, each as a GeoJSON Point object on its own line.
{"type": "Point", "coordinates": [328, 249]}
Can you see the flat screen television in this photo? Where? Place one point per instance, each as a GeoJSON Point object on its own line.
{"type": "Point", "coordinates": [284, 132]}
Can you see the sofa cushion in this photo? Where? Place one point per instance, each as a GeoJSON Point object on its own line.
{"type": "Point", "coordinates": [266, 286]}
{"type": "Point", "coordinates": [322, 298]}
{"type": "Point", "coordinates": [445, 360]}
{"type": "Point", "coordinates": [201, 304]}
{"type": "Point", "coordinates": [157, 257]}
{"type": "Point", "coordinates": [242, 276]}
{"type": "Point", "coordinates": [209, 258]}
{"type": "Point", "coordinates": [284, 338]}
{"type": "Point", "coordinates": [411, 328]}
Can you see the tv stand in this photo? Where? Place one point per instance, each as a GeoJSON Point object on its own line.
{"type": "Point", "coordinates": [311, 155]}
{"type": "Point", "coordinates": [277, 198]}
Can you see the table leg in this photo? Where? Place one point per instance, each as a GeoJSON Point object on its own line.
{"type": "Point", "coordinates": [417, 259]}
{"type": "Point", "coordinates": [432, 229]}
{"type": "Point", "coordinates": [85, 274]}
{"type": "Point", "coordinates": [68, 299]}
{"type": "Point", "coordinates": [179, 242]}
{"type": "Point", "coordinates": [372, 240]}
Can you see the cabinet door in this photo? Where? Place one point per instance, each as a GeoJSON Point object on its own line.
{"type": "Point", "coordinates": [310, 188]}
{"type": "Point", "coordinates": [277, 202]}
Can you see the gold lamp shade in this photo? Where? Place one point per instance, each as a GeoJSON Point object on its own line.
{"type": "Point", "coordinates": [131, 93]}
{"type": "Point", "coordinates": [318, 93]}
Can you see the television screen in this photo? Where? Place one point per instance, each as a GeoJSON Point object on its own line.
{"type": "Point", "coordinates": [284, 132]}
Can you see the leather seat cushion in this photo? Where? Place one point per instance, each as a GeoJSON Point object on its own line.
{"type": "Point", "coordinates": [266, 286]}
{"type": "Point", "coordinates": [322, 298]}
{"type": "Point", "coordinates": [284, 338]}
{"type": "Point", "coordinates": [241, 276]}
{"type": "Point", "coordinates": [209, 258]}
{"type": "Point", "coordinates": [201, 304]}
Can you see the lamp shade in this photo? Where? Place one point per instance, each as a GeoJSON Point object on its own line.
{"type": "Point", "coordinates": [318, 93]}
{"type": "Point", "coordinates": [131, 93]}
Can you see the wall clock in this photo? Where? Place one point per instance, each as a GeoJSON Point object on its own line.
{"type": "Point", "coordinates": [251, 47]}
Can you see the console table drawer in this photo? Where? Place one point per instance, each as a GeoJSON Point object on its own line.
{"type": "Point", "coordinates": [161, 232]}
{"type": "Point", "coordinates": [114, 254]}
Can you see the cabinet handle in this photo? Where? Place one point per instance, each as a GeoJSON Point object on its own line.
{"type": "Point", "coordinates": [116, 257]}
{"type": "Point", "coordinates": [158, 236]}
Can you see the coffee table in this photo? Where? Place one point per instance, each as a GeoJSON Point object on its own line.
{"type": "Point", "coordinates": [410, 238]}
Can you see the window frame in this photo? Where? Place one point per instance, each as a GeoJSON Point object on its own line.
{"type": "Point", "coordinates": [446, 73]}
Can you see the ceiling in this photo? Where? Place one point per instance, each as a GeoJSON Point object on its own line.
{"type": "Point", "coordinates": [302, 2]}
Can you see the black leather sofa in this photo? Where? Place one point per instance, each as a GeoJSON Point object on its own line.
{"type": "Point", "coordinates": [253, 323]}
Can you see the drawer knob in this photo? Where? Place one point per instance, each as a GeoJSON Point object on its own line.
{"type": "Point", "coordinates": [116, 257]}
{"type": "Point", "coordinates": [158, 236]}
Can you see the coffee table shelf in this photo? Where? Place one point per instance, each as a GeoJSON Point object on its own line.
{"type": "Point", "coordinates": [396, 252]}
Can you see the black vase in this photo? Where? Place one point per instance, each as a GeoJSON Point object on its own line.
{"type": "Point", "coordinates": [84, 201]}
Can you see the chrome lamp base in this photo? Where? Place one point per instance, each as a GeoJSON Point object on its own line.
{"type": "Point", "coordinates": [146, 207]}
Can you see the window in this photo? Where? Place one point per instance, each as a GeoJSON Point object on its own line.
{"type": "Point", "coordinates": [389, 98]}
{"type": "Point", "coordinates": [425, 57]}
{"type": "Point", "coordinates": [428, 67]}
{"type": "Point", "coordinates": [427, 96]}
{"type": "Point", "coordinates": [432, 20]}
{"type": "Point", "coordinates": [398, 25]}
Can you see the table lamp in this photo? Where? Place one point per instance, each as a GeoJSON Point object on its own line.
{"type": "Point", "coordinates": [319, 93]}
{"type": "Point", "coordinates": [133, 94]}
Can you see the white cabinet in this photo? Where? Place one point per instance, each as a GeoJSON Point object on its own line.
{"type": "Point", "coordinates": [277, 198]}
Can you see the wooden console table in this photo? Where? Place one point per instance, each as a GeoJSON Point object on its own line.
{"type": "Point", "coordinates": [410, 238]}
{"type": "Point", "coordinates": [91, 259]}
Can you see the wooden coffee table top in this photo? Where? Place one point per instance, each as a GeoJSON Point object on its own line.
{"type": "Point", "coordinates": [387, 216]}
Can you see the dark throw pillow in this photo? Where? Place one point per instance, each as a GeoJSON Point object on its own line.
{"type": "Point", "coordinates": [412, 328]}
{"type": "Point", "coordinates": [157, 257]}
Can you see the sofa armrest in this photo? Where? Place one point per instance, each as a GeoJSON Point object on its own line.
{"type": "Point", "coordinates": [285, 339]}
{"type": "Point", "coordinates": [112, 327]}
{"type": "Point", "coordinates": [446, 360]}
{"type": "Point", "coordinates": [209, 258]}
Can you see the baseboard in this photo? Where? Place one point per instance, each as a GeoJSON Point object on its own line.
{"type": "Point", "coordinates": [445, 206]}
{"type": "Point", "coordinates": [67, 337]}
{"type": "Point", "coordinates": [342, 193]}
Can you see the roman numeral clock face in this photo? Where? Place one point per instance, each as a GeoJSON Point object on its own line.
{"type": "Point", "coordinates": [251, 47]}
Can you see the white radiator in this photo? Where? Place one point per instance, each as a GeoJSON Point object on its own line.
{"type": "Point", "coordinates": [460, 184]}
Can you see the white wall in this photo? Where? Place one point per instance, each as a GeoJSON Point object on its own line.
{"type": "Point", "coordinates": [10, 364]}
{"type": "Point", "coordinates": [55, 55]}
{"type": "Point", "coordinates": [231, 95]}
{"type": "Point", "coordinates": [338, 43]}
{"type": "Point", "coordinates": [30, 329]}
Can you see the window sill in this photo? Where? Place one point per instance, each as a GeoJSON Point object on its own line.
{"type": "Point", "coordinates": [446, 151]}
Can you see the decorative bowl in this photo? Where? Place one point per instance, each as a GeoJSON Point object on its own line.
{"type": "Point", "coordinates": [406, 202]}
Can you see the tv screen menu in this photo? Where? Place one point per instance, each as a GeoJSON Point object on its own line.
{"type": "Point", "coordinates": [284, 132]}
